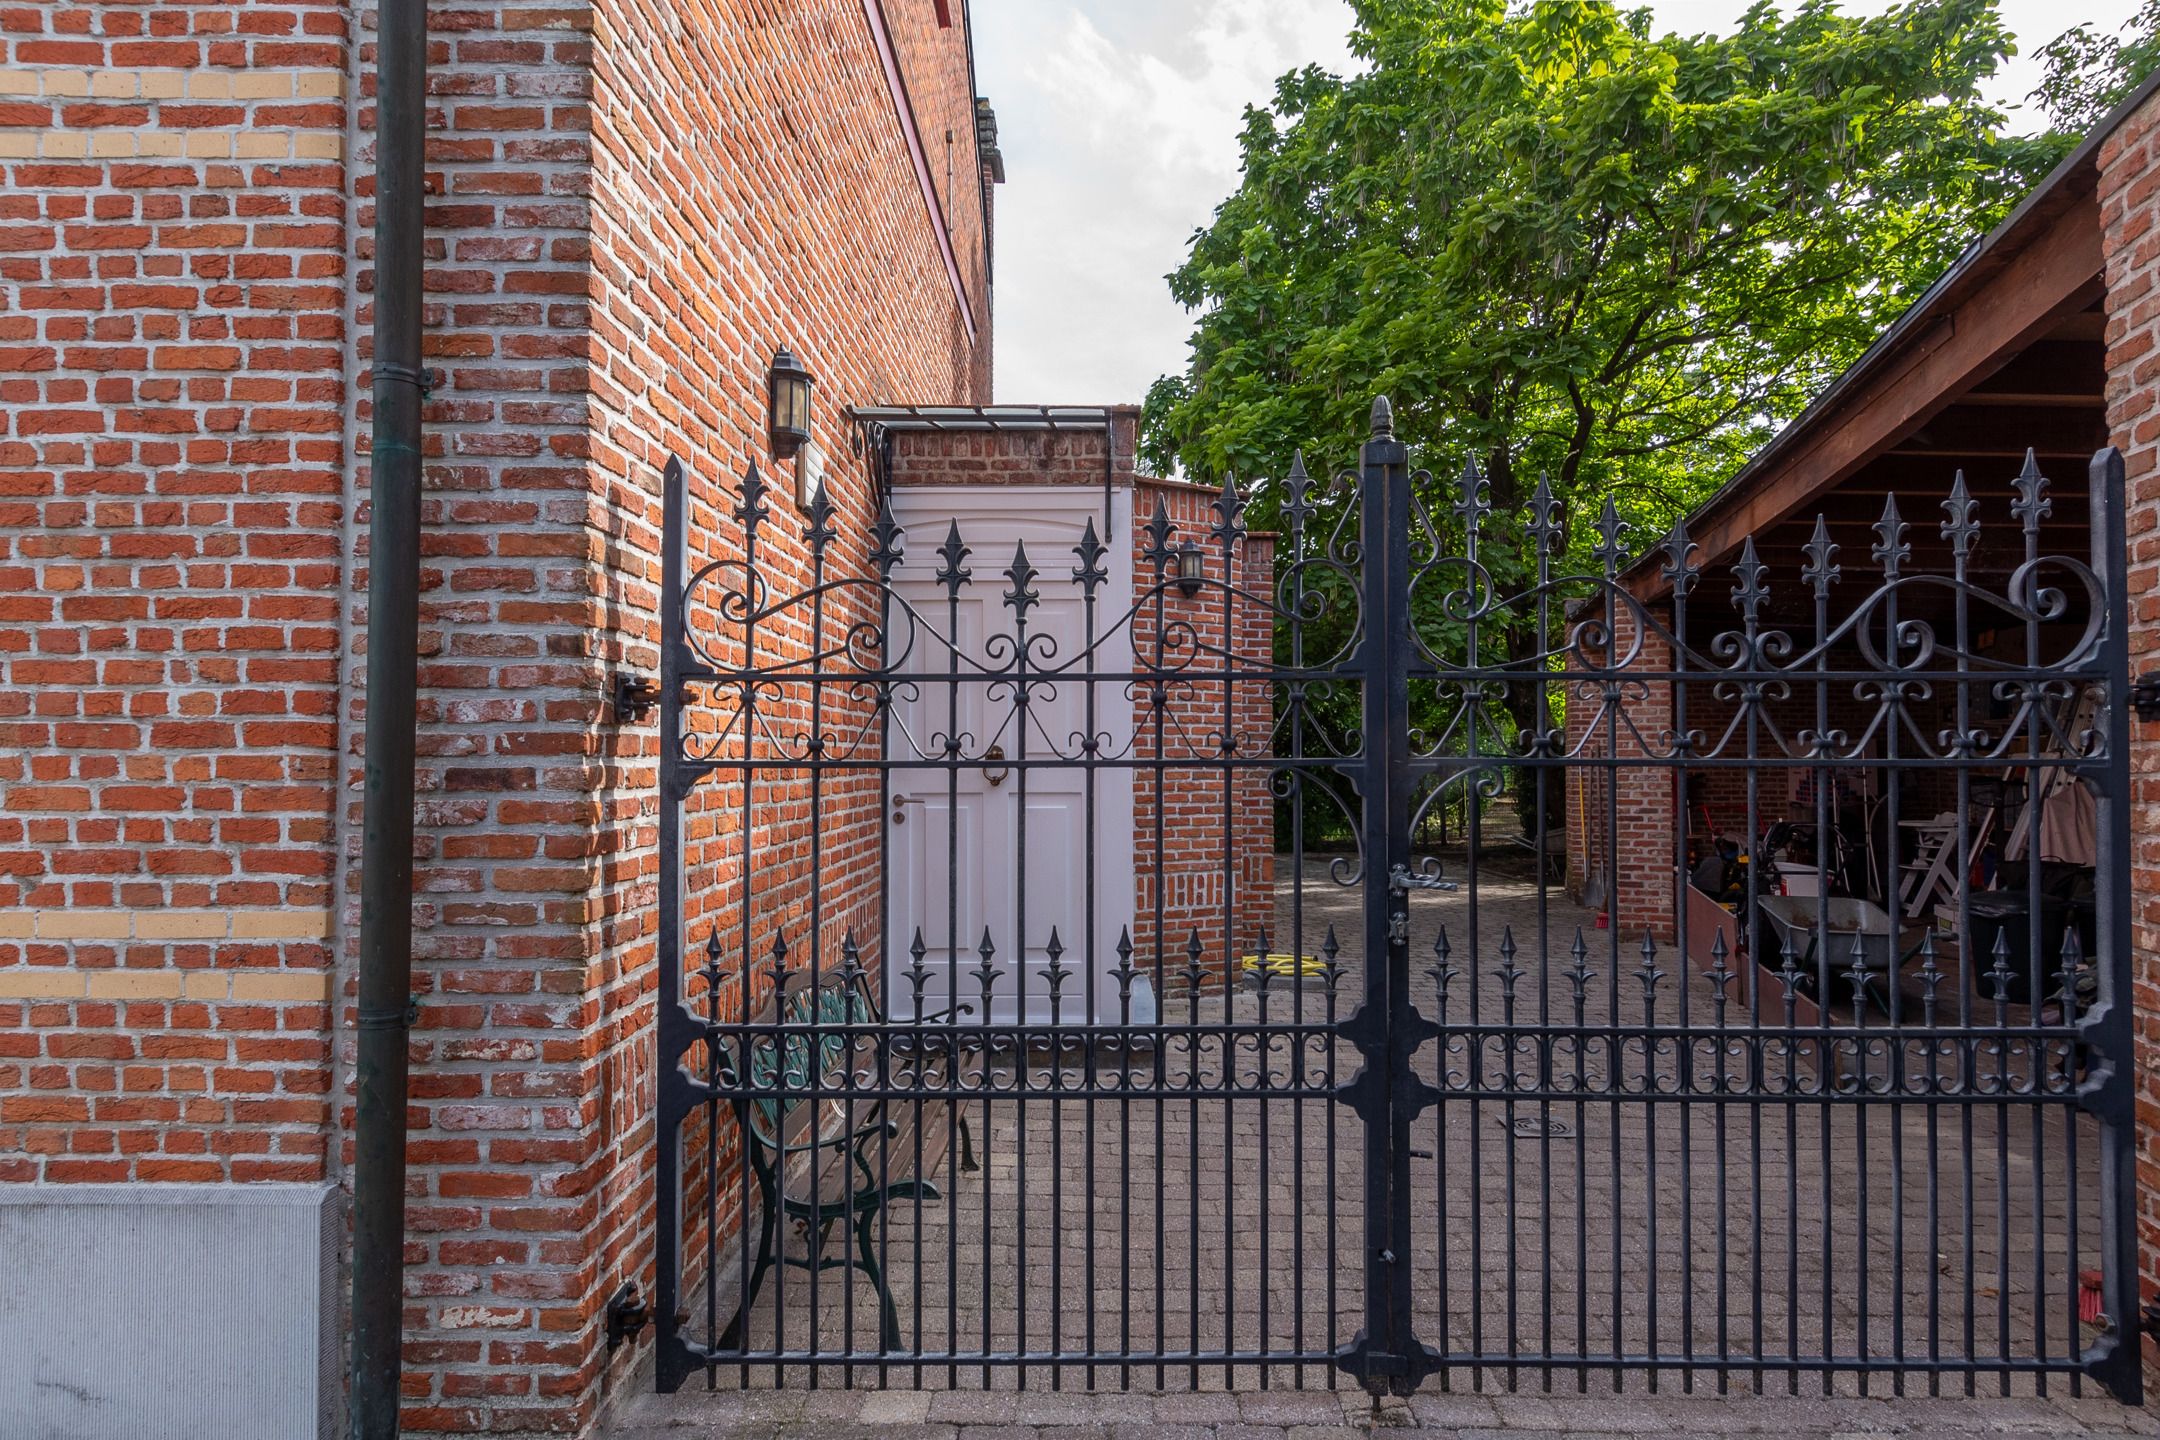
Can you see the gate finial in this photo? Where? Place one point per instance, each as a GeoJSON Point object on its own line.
{"type": "Point", "coordinates": [1383, 418]}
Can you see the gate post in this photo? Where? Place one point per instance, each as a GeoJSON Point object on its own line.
{"type": "Point", "coordinates": [673, 1361]}
{"type": "Point", "coordinates": [1384, 1356]}
{"type": "Point", "coordinates": [2116, 1358]}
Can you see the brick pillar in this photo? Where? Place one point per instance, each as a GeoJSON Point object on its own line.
{"type": "Point", "coordinates": [1227, 911]}
{"type": "Point", "coordinates": [1634, 807]}
{"type": "Point", "coordinates": [2130, 245]}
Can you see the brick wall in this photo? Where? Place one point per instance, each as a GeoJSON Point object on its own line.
{"type": "Point", "coordinates": [2129, 183]}
{"type": "Point", "coordinates": [632, 206]}
{"type": "Point", "coordinates": [172, 448]}
{"type": "Point", "coordinates": [1637, 803]}
{"type": "Point", "coordinates": [1212, 855]}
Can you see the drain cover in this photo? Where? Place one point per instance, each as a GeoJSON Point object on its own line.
{"type": "Point", "coordinates": [1530, 1128]}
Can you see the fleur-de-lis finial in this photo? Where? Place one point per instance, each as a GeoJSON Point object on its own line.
{"type": "Point", "coordinates": [1474, 501]}
{"type": "Point", "coordinates": [1091, 571]}
{"type": "Point", "coordinates": [1891, 549]}
{"type": "Point", "coordinates": [1297, 494]}
{"type": "Point", "coordinates": [1821, 571]}
{"type": "Point", "coordinates": [1159, 532]}
{"type": "Point", "coordinates": [1229, 508]}
{"type": "Point", "coordinates": [1508, 973]}
{"type": "Point", "coordinates": [886, 539]}
{"type": "Point", "coordinates": [2032, 505]}
{"type": "Point", "coordinates": [1020, 581]}
{"type": "Point", "coordinates": [952, 572]}
{"type": "Point", "coordinates": [1959, 527]}
{"type": "Point", "coordinates": [751, 509]}
{"type": "Point", "coordinates": [1679, 570]}
{"type": "Point", "coordinates": [1442, 972]}
{"type": "Point", "coordinates": [1648, 970]}
{"type": "Point", "coordinates": [851, 966]}
{"type": "Point", "coordinates": [1055, 972]}
{"type": "Point", "coordinates": [987, 973]}
{"type": "Point", "coordinates": [1545, 529]}
{"type": "Point", "coordinates": [1612, 531]}
{"type": "Point", "coordinates": [820, 532]}
{"type": "Point", "coordinates": [1751, 590]}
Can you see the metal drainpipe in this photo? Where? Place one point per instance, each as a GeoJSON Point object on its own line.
{"type": "Point", "coordinates": [393, 633]}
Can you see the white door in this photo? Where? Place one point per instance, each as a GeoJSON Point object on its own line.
{"type": "Point", "coordinates": [995, 848]}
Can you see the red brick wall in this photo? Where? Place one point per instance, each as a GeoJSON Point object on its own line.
{"type": "Point", "coordinates": [1200, 894]}
{"type": "Point", "coordinates": [1637, 802]}
{"type": "Point", "coordinates": [172, 449]}
{"type": "Point", "coordinates": [632, 206]}
{"type": "Point", "coordinates": [2129, 183]}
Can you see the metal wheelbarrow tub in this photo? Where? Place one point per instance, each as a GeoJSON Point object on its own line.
{"type": "Point", "coordinates": [1809, 929]}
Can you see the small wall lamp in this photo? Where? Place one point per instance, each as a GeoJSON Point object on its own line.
{"type": "Point", "coordinates": [1191, 569]}
{"type": "Point", "coordinates": [791, 387]}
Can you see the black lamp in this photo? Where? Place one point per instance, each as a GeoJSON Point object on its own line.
{"type": "Point", "coordinates": [791, 386]}
{"type": "Point", "coordinates": [1191, 569]}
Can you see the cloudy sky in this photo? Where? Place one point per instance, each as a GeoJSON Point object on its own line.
{"type": "Point", "coordinates": [1119, 123]}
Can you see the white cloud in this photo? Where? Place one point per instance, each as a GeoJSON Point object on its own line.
{"type": "Point", "coordinates": [1119, 120]}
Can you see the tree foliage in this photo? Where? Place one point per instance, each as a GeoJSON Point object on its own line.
{"type": "Point", "coordinates": [1561, 244]}
{"type": "Point", "coordinates": [2090, 73]}
{"type": "Point", "coordinates": [1565, 246]}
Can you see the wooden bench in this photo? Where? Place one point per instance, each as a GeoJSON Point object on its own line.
{"type": "Point", "coordinates": [835, 1167]}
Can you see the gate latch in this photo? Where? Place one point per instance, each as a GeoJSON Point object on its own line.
{"type": "Point", "coordinates": [1402, 882]}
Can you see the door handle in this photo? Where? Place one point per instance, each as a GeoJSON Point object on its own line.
{"type": "Point", "coordinates": [996, 777]}
{"type": "Point", "coordinates": [899, 802]}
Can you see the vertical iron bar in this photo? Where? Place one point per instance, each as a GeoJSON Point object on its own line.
{"type": "Point", "coordinates": [675, 1032]}
{"type": "Point", "coordinates": [2116, 1360]}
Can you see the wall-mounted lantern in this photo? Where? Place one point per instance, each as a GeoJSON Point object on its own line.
{"type": "Point", "coordinates": [790, 415]}
{"type": "Point", "coordinates": [1191, 569]}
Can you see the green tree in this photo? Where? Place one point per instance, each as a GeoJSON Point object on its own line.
{"type": "Point", "coordinates": [2089, 74]}
{"type": "Point", "coordinates": [1566, 247]}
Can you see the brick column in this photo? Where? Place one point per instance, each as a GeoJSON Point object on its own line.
{"type": "Point", "coordinates": [1634, 806]}
{"type": "Point", "coordinates": [2129, 185]}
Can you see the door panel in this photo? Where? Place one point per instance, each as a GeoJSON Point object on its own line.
{"type": "Point", "coordinates": [1019, 880]}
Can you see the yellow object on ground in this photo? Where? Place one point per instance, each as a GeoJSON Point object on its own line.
{"type": "Point", "coordinates": [1282, 964]}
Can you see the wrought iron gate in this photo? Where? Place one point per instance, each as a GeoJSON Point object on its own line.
{"type": "Point", "coordinates": [1512, 1101]}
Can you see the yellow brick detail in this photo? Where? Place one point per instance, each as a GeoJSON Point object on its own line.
{"type": "Point", "coordinates": [42, 984]}
{"type": "Point", "coordinates": [207, 985]}
{"type": "Point", "coordinates": [62, 145]}
{"type": "Point", "coordinates": [321, 84]}
{"type": "Point", "coordinates": [280, 924]}
{"type": "Point", "coordinates": [160, 145]}
{"type": "Point", "coordinates": [263, 85]}
{"type": "Point", "coordinates": [17, 924]}
{"type": "Point", "coordinates": [135, 984]}
{"type": "Point", "coordinates": [66, 82]}
{"type": "Point", "coordinates": [113, 84]}
{"type": "Point", "coordinates": [262, 145]}
{"type": "Point", "coordinates": [19, 82]}
{"type": "Point", "coordinates": [18, 145]}
{"type": "Point", "coordinates": [210, 85]}
{"type": "Point", "coordinates": [309, 985]}
{"type": "Point", "coordinates": [112, 145]}
{"type": "Point", "coordinates": [181, 924]}
{"type": "Point", "coordinates": [318, 145]}
{"type": "Point", "coordinates": [163, 84]}
{"type": "Point", "coordinates": [83, 924]}
{"type": "Point", "coordinates": [210, 144]}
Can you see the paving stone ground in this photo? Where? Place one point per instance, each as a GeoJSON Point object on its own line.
{"type": "Point", "coordinates": [1232, 1227]}
{"type": "Point", "coordinates": [829, 1414]}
